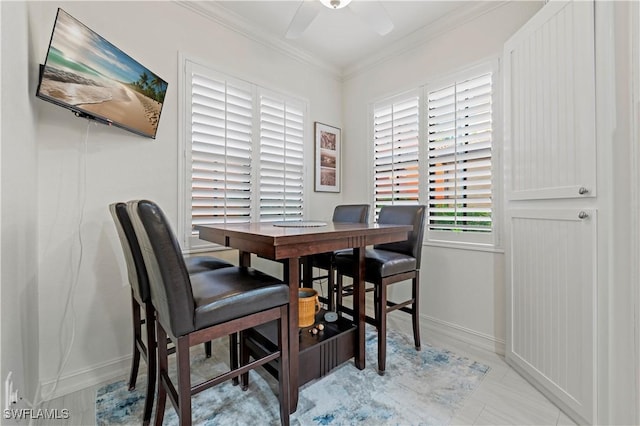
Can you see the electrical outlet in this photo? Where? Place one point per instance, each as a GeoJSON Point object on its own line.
{"type": "Point", "coordinates": [8, 391]}
{"type": "Point", "coordinates": [13, 396]}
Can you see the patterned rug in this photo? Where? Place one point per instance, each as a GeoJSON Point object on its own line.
{"type": "Point", "coordinates": [419, 388]}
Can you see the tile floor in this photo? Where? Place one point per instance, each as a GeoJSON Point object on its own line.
{"type": "Point", "coordinates": [503, 398]}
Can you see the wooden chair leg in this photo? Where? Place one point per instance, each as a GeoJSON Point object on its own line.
{"type": "Point", "coordinates": [233, 355]}
{"type": "Point", "coordinates": [415, 312]}
{"type": "Point", "coordinates": [152, 371]}
{"type": "Point", "coordinates": [183, 366]}
{"type": "Point", "coordinates": [244, 360]}
{"type": "Point", "coordinates": [207, 349]}
{"type": "Point", "coordinates": [283, 374]}
{"type": "Point", "coordinates": [163, 370]}
{"type": "Point", "coordinates": [381, 320]}
{"type": "Point", "coordinates": [137, 336]}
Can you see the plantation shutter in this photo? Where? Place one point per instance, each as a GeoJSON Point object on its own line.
{"type": "Point", "coordinates": [396, 147]}
{"type": "Point", "coordinates": [459, 121]}
{"type": "Point", "coordinates": [281, 158]}
{"type": "Point", "coordinates": [221, 136]}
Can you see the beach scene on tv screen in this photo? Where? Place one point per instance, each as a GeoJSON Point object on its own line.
{"type": "Point", "coordinates": [84, 70]}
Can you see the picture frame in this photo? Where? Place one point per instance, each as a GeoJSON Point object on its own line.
{"type": "Point", "coordinates": [328, 158]}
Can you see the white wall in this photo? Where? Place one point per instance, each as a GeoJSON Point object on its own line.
{"type": "Point", "coordinates": [618, 321]}
{"type": "Point", "coordinates": [467, 302]}
{"type": "Point", "coordinates": [19, 345]}
{"type": "Point", "coordinates": [82, 167]}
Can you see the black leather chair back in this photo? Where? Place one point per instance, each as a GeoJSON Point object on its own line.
{"type": "Point", "coordinates": [169, 281]}
{"type": "Point", "coordinates": [136, 269]}
{"type": "Point", "coordinates": [405, 215]}
{"type": "Point", "coordinates": [351, 213]}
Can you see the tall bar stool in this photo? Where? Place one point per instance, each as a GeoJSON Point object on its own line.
{"type": "Point", "coordinates": [344, 213]}
{"type": "Point", "coordinates": [141, 301]}
{"type": "Point", "coordinates": [388, 264]}
{"type": "Point", "coordinates": [205, 306]}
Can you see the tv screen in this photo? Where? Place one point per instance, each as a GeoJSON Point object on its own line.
{"type": "Point", "coordinates": [85, 73]}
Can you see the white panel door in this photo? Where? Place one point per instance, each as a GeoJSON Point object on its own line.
{"type": "Point", "coordinates": [553, 284]}
{"type": "Point", "coordinates": [550, 100]}
{"type": "Point", "coordinates": [551, 205]}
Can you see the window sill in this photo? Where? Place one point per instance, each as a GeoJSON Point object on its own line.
{"type": "Point", "coordinates": [208, 248]}
{"type": "Point", "coordinates": [464, 246]}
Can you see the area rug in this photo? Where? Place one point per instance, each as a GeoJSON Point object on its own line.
{"type": "Point", "coordinates": [419, 388]}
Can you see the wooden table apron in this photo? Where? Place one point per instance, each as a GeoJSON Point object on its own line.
{"type": "Point", "coordinates": [292, 243]}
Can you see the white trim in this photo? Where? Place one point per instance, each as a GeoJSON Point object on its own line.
{"type": "Point", "coordinates": [544, 391]}
{"type": "Point", "coordinates": [234, 22]}
{"type": "Point", "coordinates": [487, 239]}
{"type": "Point", "coordinates": [437, 327]}
{"type": "Point", "coordinates": [257, 87]}
{"type": "Point", "coordinates": [88, 377]}
{"type": "Point", "coordinates": [424, 35]}
{"type": "Point", "coordinates": [183, 179]}
{"type": "Point", "coordinates": [413, 41]}
{"type": "Point", "coordinates": [635, 195]}
{"type": "Point", "coordinates": [488, 248]}
{"type": "Point", "coordinates": [464, 334]}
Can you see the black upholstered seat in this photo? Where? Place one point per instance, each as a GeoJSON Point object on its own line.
{"type": "Point", "coordinates": [388, 264]}
{"type": "Point", "coordinates": [236, 292]}
{"type": "Point", "coordinates": [383, 263]}
{"type": "Point", "coordinates": [344, 213]}
{"type": "Point", "coordinates": [191, 309]}
{"type": "Point", "coordinates": [198, 264]}
{"type": "Point", "coordinates": [141, 300]}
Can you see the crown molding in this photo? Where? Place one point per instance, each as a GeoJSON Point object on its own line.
{"type": "Point", "coordinates": [236, 23]}
{"type": "Point", "coordinates": [424, 35]}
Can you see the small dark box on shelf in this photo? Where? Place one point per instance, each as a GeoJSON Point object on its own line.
{"type": "Point", "coordinates": [319, 353]}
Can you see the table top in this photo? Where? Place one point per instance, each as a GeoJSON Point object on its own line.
{"type": "Point", "coordinates": [277, 242]}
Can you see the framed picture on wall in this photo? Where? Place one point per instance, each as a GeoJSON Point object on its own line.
{"type": "Point", "coordinates": [327, 139]}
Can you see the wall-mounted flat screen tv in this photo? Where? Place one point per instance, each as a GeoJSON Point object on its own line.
{"type": "Point", "coordinates": [85, 73]}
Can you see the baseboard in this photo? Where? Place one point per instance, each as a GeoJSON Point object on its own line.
{"type": "Point", "coordinates": [120, 367]}
{"type": "Point", "coordinates": [437, 327]}
{"type": "Point", "coordinates": [86, 378]}
{"type": "Point", "coordinates": [574, 415]}
{"type": "Point", "coordinates": [472, 337]}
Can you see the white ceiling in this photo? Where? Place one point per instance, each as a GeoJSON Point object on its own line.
{"type": "Point", "coordinates": [340, 38]}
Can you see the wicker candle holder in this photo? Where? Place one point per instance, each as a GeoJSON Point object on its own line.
{"type": "Point", "coordinates": [308, 307]}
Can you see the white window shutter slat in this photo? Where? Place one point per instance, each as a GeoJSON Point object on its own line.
{"type": "Point", "coordinates": [396, 147]}
{"type": "Point", "coordinates": [459, 121]}
{"type": "Point", "coordinates": [221, 146]}
{"type": "Point", "coordinates": [230, 134]}
{"type": "Point", "coordinates": [281, 159]}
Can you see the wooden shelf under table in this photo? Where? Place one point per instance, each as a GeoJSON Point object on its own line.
{"type": "Point", "coordinates": [319, 353]}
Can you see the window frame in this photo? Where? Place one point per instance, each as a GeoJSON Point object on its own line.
{"type": "Point", "coordinates": [483, 241]}
{"type": "Point", "coordinates": [386, 102]}
{"type": "Point", "coordinates": [487, 239]}
{"type": "Point", "coordinates": [190, 243]}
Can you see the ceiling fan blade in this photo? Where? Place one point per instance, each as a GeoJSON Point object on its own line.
{"type": "Point", "coordinates": [374, 14]}
{"type": "Point", "coordinates": [306, 13]}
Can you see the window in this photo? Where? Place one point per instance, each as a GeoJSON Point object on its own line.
{"type": "Point", "coordinates": [221, 148]}
{"type": "Point", "coordinates": [459, 127]}
{"type": "Point", "coordinates": [441, 158]}
{"type": "Point", "coordinates": [281, 158]}
{"type": "Point", "coordinates": [396, 145]}
{"type": "Point", "coordinates": [244, 156]}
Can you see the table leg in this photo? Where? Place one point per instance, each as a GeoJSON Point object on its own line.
{"type": "Point", "coordinates": [307, 272]}
{"type": "Point", "coordinates": [359, 304]}
{"type": "Point", "coordinates": [244, 258]}
{"type": "Point", "coordinates": [293, 269]}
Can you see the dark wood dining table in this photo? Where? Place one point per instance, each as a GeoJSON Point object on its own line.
{"type": "Point", "coordinates": [292, 243]}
